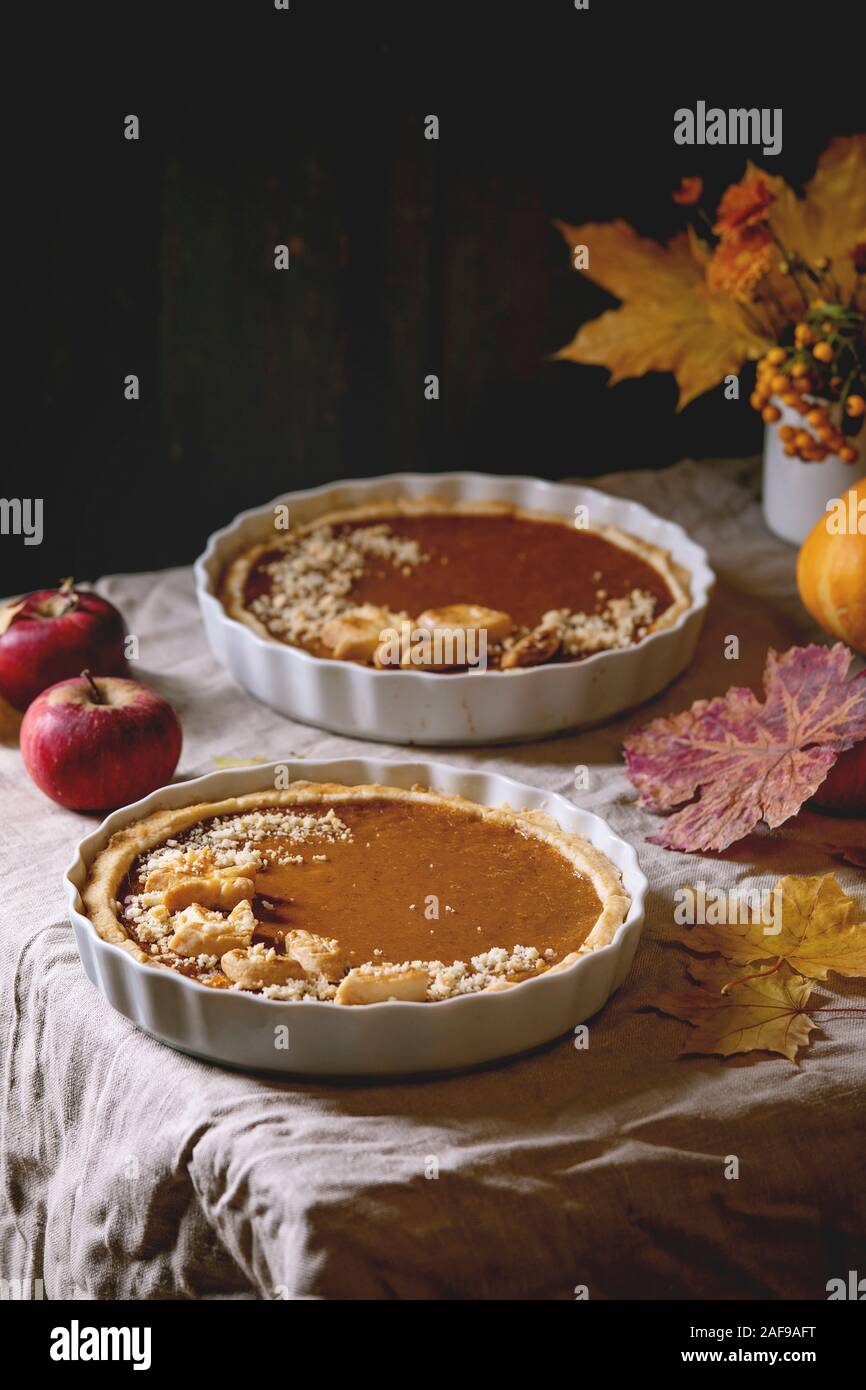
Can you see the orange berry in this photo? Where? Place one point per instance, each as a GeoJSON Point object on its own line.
{"type": "Point", "coordinates": [803, 439]}
{"type": "Point", "coordinates": [822, 352]}
{"type": "Point", "coordinates": [789, 451]}
{"type": "Point", "coordinates": [779, 382]}
{"type": "Point", "coordinates": [817, 416]}
{"type": "Point", "coordinates": [836, 384]}
{"type": "Point", "coordinates": [803, 335]}
{"type": "Point", "coordinates": [855, 407]}
{"type": "Point", "coordinates": [786, 433]}
{"type": "Point", "coordinates": [776, 356]}
{"type": "Point", "coordinates": [790, 398]}
{"type": "Point", "coordinates": [847, 454]}
{"type": "Point", "coordinates": [757, 400]}
{"type": "Point", "coordinates": [770, 414]}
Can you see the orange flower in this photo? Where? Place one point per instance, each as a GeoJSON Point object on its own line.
{"type": "Point", "coordinates": [740, 262]}
{"type": "Point", "coordinates": [744, 204]}
{"type": "Point", "coordinates": [689, 191]}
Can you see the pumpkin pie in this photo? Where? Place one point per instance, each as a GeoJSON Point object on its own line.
{"type": "Point", "coordinates": [354, 895]}
{"type": "Point", "coordinates": [444, 587]}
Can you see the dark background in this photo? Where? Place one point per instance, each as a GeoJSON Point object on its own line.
{"type": "Point", "coordinates": [408, 256]}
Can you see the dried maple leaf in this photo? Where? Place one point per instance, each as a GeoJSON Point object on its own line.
{"type": "Point", "coordinates": [818, 931]}
{"type": "Point", "coordinates": [668, 322]}
{"type": "Point", "coordinates": [746, 761]}
{"type": "Point", "coordinates": [765, 1013]}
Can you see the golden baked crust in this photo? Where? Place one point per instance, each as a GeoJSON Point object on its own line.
{"type": "Point", "coordinates": [233, 582]}
{"type": "Point", "coordinates": [114, 862]}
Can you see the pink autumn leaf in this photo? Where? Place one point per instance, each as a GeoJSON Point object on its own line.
{"type": "Point", "coordinates": [737, 761]}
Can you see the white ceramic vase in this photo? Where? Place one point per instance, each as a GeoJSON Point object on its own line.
{"type": "Point", "coordinates": [796, 493]}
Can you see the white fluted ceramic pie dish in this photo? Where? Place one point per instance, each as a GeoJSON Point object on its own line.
{"type": "Point", "coordinates": [386, 1039]}
{"type": "Point", "coordinates": [417, 707]}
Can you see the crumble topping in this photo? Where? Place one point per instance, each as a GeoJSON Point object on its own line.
{"type": "Point", "coordinates": [620, 623]}
{"type": "Point", "coordinates": [302, 991]}
{"type": "Point", "coordinates": [438, 980]}
{"type": "Point", "coordinates": [484, 970]}
{"type": "Point", "coordinates": [235, 841]}
{"type": "Point", "coordinates": [311, 581]}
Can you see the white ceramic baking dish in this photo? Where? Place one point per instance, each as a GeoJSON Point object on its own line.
{"type": "Point", "coordinates": [477, 706]}
{"type": "Point", "coordinates": [387, 1039]}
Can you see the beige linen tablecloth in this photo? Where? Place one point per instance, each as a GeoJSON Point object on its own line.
{"type": "Point", "coordinates": [130, 1171]}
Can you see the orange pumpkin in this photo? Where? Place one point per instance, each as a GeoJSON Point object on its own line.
{"type": "Point", "coordinates": [831, 569]}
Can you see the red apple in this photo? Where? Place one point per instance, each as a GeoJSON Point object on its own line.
{"type": "Point", "coordinates": [843, 791]}
{"type": "Point", "coordinates": [94, 744]}
{"type": "Point", "coordinates": [52, 635]}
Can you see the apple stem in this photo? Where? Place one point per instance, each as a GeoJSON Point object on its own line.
{"type": "Point", "coordinates": [67, 592]}
{"type": "Point", "coordinates": [94, 688]}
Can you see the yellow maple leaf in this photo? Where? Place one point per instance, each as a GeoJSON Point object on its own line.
{"type": "Point", "coordinates": [831, 217]}
{"type": "Point", "coordinates": [668, 321]}
{"type": "Point", "coordinates": [818, 931]}
{"type": "Point", "coordinates": [765, 1013]}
